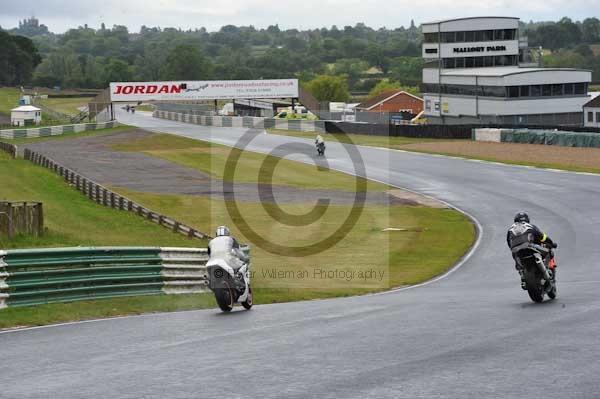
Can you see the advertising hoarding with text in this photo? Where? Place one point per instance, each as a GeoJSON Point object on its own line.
{"type": "Point", "coordinates": [203, 90]}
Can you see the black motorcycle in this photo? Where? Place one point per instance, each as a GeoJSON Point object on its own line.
{"type": "Point", "coordinates": [321, 149]}
{"type": "Point", "coordinates": [538, 266]}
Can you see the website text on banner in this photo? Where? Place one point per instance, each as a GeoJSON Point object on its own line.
{"type": "Point", "coordinates": [203, 90]}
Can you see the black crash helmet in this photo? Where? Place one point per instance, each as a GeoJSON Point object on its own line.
{"type": "Point", "coordinates": [522, 217]}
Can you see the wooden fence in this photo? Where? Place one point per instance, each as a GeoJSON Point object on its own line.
{"type": "Point", "coordinates": [10, 148]}
{"type": "Point", "coordinates": [106, 197]}
{"type": "Point", "coordinates": [21, 218]}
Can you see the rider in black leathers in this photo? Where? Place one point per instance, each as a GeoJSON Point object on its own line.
{"type": "Point", "coordinates": [522, 226]}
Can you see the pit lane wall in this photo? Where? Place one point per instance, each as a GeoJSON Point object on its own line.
{"type": "Point", "coordinates": [534, 136]}
{"type": "Point", "coordinates": [243, 121]}
{"type": "Point", "coordinates": [39, 276]}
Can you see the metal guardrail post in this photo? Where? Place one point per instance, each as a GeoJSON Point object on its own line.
{"type": "Point", "coordinates": [3, 286]}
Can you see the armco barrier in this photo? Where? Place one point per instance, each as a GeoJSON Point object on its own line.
{"type": "Point", "coordinates": [244, 121]}
{"type": "Point", "coordinates": [106, 197]}
{"type": "Point", "coordinates": [54, 130]}
{"type": "Point", "coordinates": [38, 276]}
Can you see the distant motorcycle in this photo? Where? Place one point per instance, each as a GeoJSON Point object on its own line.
{"type": "Point", "coordinates": [321, 149]}
{"type": "Point", "coordinates": [538, 266]}
{"type": "Point", "coordinates": [230, 285]}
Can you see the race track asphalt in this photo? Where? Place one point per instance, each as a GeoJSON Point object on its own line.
{"type": "Point", "coordinates": [472, 334]}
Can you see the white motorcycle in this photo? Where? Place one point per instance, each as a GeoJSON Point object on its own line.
{"type": "Point", "coordinates": [229, 285]}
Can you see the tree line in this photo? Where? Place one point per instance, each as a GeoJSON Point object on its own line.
{"type": "Point", "coordinates": [358, 57]}
{"type": "Point", "coordinates": [18, 59]}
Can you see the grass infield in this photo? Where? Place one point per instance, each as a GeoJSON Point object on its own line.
{"type": "Point", "coordinates": [367, 259]}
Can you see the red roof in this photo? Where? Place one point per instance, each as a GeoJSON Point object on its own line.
{"type": "Point", "coordinates": [383, 97]}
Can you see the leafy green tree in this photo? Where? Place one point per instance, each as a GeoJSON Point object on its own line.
{"type": "Point", "coordinates": [117, 71]}
{"type": "Point", "coordinates": [187, 62]}
{"type": "Point", "coordinates": [329, 88]}
{"type": "Point", "coordinates": [388, 85]}
{"type": "Point", "coordinates": [590, 30]}
{"type": "Point", "coordinates": [18, 58]}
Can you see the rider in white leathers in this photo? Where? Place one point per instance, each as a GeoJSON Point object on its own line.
{"type": "Point", "coordinates": [225, 247]}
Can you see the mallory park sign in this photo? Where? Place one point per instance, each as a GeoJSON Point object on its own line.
{"type": "Point", "coordinates": [479, 49]}
{"type": "Point", "coordinates": [203, 90]}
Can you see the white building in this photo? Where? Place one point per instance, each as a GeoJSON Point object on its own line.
{"type": "Point", "coordinates": [25, 115]}
{"type": "Point", "coordinates": [475, 72]}
{"type": "Point", "coordinates": [591, 113]}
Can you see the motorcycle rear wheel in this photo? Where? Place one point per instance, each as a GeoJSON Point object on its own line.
{"type": "Point", "coordinates": [536, 293]}
{"type": "Point", "coordinates": [224, 297]}
{"type": "Point", "coordinates": [552, 293]}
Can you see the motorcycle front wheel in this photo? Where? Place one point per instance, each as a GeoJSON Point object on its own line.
{"type": "Point", "coordinates": [247, 304]}
{"type": "Point", "coordinates": [224, 296]}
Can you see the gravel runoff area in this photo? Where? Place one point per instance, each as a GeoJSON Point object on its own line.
{"type": "Point", "coordinates": [571, 157]}
{"type": "Point", "coordinates": [94, 158]}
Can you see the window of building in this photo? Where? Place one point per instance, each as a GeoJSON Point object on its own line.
{"type": "Point", "coordinates": [557, 90]}
{"type": "Point", "coordinates": [478, 62]}
{"type": "Point", "coordinates": [546, 90]}
{"type": "Point", "coordinates": [488, 61]}
{"type": "Point", "coordinates": [437, 105]}
{"type": "Point", "coordinates": [568, 89]}
{"type": "Point", "coordinates": [448, 37]}
{"type": "Point", "coordinates": [431, 38]}
{"type": "Point", "coordinates": [428, 105]}
{"type": "Point", "coordinates": [536, 90]}
{"type": "Point", "coordinates": [590, 117]}
{"type": "Point", "coordinates": [580, 88]}
{"type": "Point", "coordinates": [513, 91]}
{"type": "Point", "coordinates": [460, 62]}
{"type": "Point", "coordinates": [448, 63]}
{"type": "Point", "coordinates": [431, 51]}
{"type": "Point", "coordinates": [524, 91]}
{"type": "Point", "coordinates": [470, 36]}
{"type": "Point", "coordinates": [460, 37]}
{"type": "Point", "coordinates": [432, 64]}
{"type": "Point", "coordinates": [499, 34]}
{"type": "Point", "coordinates": [597, 117]}
{"type": "Point", "coordinates": [469, 62]}
{"type": "Point", "coordinates": [488, 35]}
{"type": "Point", "coordinates": [479, 36]}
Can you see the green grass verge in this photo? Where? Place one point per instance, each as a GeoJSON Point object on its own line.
{"type": "Point", "coordinates": [67, 106]}
{"type": "Point", "coordinates": [145, 108]}
{"type": "Point", "coordinates": [211, 159]}
{"type": "Point", "coordinates": [101, 308]}
{"type": "Point", "coordinates": [9, 99]}
{"type": "Point", "coordinates": [425, 247]}
{"type": "Point", "coordinates": [71, 219]}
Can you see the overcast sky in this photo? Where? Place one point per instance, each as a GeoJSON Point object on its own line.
{"type": "Point", "coordinates": [60, 15]}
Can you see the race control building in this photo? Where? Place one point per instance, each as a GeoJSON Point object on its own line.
{"type": "Point", "coordinates": [476, 71]}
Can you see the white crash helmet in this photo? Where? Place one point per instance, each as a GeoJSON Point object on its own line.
{"type": "Point", "coordinates": [222, 231]}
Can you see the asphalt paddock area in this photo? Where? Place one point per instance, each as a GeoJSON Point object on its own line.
{"type": "Point", "coordinates": [94, 158]}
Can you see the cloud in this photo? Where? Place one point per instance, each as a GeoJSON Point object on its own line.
{"type": "Point", "coordinates": [60, 15]}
